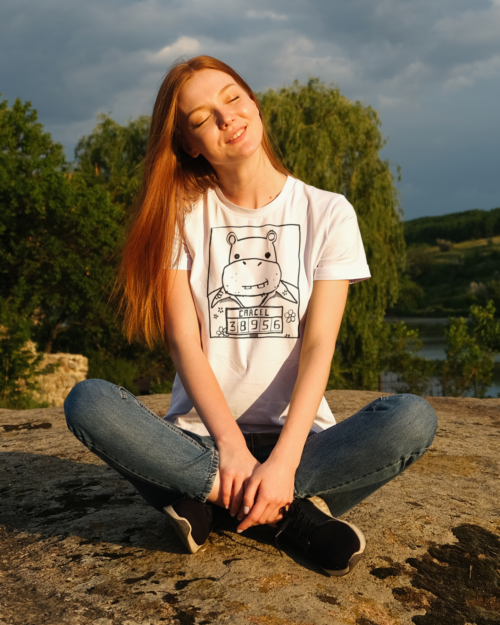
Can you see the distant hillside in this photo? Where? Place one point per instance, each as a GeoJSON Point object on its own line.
{"type": "Point", "coordinates": [445, 280]}
{"type": "Point", "coordinates": [455, 227]}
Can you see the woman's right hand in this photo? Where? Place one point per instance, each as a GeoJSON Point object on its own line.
{"type": "Point", "coordinates": [236, 465]}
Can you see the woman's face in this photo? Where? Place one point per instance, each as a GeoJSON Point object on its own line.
{"type": "Point", "coordinates": [218, 119]}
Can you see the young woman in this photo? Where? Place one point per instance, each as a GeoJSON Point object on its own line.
{"type": "Point", "coordinates": [244, 270]}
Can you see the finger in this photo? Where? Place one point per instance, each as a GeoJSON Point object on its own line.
{"type": "Point", "coordinates": [236, 503]}
{"type": "Point", "coordinates": [254, 516]}
{"type": "Point", "coordinates": [227, 488]}
{"type": "Point", "coordinates": [249, 497]}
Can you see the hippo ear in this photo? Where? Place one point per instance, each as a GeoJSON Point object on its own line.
{"type": "Point", "coordinates": [231, 238]}
{"type": "Point", "coordinates": [272, 236]}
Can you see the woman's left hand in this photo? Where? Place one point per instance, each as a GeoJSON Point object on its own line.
{"type": "Point", "coordinates": [267, 490]}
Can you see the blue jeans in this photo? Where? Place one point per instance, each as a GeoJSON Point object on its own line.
{"type": "Point", "coordinates": [342, 465]}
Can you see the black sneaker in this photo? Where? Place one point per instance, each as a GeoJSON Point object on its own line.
{"type": "Point", "coordinates": [332, 544]}
{"type": "Point", "coordinates": [192, 521]}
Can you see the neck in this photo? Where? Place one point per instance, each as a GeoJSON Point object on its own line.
{"type": "Point", "coordinates": [252, 183]}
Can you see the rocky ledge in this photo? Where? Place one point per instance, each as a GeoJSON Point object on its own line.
{"type": "Point", "coordinates": [79, 545]}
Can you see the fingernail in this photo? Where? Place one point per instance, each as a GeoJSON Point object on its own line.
{"type": "Point", "coordinates": [227, 507]}
{"type": "Point", "coordinates": [246, 510]}
{"type": "Point", "coordinates": [231, 513]}
{"type": "Point", "coordinates": [239, 531]}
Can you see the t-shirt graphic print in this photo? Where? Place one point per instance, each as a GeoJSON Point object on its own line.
{"type": "Point", "coordinates": [251, 294]}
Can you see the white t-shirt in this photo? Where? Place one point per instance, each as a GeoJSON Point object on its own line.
{"type": "Point", "coordinates": [252, 273]}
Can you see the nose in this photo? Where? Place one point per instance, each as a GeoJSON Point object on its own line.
{"type": "Point", "coordinates": [224, 118]}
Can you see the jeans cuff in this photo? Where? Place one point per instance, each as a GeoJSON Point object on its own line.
{"type": "Point", "coordinates": [214, 466]}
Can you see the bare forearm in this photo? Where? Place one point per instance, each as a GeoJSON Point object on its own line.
{"type": "Point", "coordinates": [312, 378]}
{"type": "Point", "coordinates": [204, 391]}
{"type": "Point", "coordinates": [324, 316]}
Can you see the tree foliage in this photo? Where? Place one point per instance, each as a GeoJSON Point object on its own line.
{"type": "Point", "coordinates": [472, 346]}
{"type": "Point", "coordinates": [457, 227]}
{"type": "Point", "coordinates": [58, 234]}
{"type": "Point", "coordinates": [19, 365]}
{"type": "Point", "coordinates": [334, 144]}
{"type": "Point", "coordinates": [399, 354]}
{"type": "Point", "coordinates": [112, 156]}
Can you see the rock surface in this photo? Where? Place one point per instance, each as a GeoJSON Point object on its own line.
{"type": "Point", "coordinates": [79, 545]}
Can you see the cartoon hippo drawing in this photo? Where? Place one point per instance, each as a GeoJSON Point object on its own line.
{"type": "Point", "coordinates": [252, 278]}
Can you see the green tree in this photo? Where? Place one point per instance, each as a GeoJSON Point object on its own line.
{"type": "Point", "coordinates": [112, 156]}
{"type": "Point", "coordinates": [418, 260]}
{"type": "Point", "coordinates": [410, 294]}
{"type": "Point", "coordinates": [470, 353]}
{"type": "Point", "coordinates": [58, 234]}
{"type": "Point", "coordinates": [19, 364]}
{"type": "Point", "coordinates": [334, 144]}
{"type": "Point", "coordinates": [399, 354]}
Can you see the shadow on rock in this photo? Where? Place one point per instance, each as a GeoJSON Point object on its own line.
{"type": "Point", "coordinates": [463, 577]}
{"type": "Point", "coordinates": [51, 496]}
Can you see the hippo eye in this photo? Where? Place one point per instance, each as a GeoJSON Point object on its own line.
{"type": "Point", "coordinates": [236, 256]}
{"type": "Point", "coordinates": [267, 254]}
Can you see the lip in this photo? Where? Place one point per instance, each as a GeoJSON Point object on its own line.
{"type": "Point", "coordinates": [240, 137]}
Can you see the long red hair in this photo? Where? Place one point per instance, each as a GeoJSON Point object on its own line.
{"type": "Point", "coordinates": [172, 181]}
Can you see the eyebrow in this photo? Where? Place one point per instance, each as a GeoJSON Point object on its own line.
{"type": "Point", "coordinates": [232, 84]}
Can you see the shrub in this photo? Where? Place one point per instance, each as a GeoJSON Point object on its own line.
{"type": "Point", "coordinates": [470, 354]}
{"type": "Point", "coordinates": [116, 370]}
{"type": "Point", "coordinates": [444, 245]}
{"type": "Point", "coordinates": [19, 362]}
{"type": "Point", "coordinates": [159, 387]}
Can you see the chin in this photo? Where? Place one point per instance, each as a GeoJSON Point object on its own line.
{"type": "Point", "coordinates": [249, 148]}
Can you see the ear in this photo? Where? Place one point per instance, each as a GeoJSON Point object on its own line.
{"type": "Point", "coordinates": [187, 148]}
{"type": "Point", "coordinates": [191, 151]}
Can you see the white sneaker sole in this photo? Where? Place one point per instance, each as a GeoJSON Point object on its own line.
{"type": "Point", "coordinates": [182, 528]}
{"type": "Point", "coordinates": [356, 557]}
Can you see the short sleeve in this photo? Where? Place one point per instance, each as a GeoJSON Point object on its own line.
{"type": "Point", "coordinates": [343, 255]}
{"type": "Point", "coordinates": [185, 259]}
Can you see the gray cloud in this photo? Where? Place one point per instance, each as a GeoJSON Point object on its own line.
{"type": "Point", "coordinates": [430, 69]}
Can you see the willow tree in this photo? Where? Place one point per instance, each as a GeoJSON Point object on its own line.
{"type": "Point", "coordinates": [334, 144]}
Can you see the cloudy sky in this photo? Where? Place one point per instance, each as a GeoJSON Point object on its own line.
{"type": "Point", "coordinates": [431, 69]}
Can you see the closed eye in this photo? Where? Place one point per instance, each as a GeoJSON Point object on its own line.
{"type": "Point", "coordinates": [201, 123]}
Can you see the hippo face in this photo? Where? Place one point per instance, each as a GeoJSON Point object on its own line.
{"type": "Point", "coordinates": [253, 268]}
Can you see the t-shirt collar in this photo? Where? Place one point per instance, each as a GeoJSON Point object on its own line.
{"type": "Point", "coordinates": [263, 211]}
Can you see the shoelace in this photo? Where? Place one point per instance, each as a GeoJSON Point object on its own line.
{"type": "Point", "coordinates": [296, 519]}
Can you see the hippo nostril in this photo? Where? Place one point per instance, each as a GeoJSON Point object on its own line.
{"type": "Point", "coordinates": [244, 262]}
{"type": "Point", "coordinates": [259, 264]}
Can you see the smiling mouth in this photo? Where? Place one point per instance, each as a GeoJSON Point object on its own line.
{"type": "Point", "coordinates": [259, 286]}
{"type": "Point", "coordinates": [237, 134]}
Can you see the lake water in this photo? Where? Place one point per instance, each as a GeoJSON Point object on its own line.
{"type": "Point", "coordinates": [431, 333]}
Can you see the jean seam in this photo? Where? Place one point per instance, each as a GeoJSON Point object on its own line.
{"type": "Point", "coordinates": [214, 466]}
{"type": "Point", "coordinates": [389, 466]}
{"type": "Point", "coordinates": [168, 425]}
